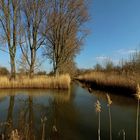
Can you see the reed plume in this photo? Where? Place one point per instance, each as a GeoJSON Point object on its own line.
{"type": "Point", "coordinates": [123, 133]}
{"type": "Point", "coordinates": [43, 122]}
{"type": "Point", "coordinates": [109, 111]}
{"type": "Point", "coordinates": [98, 110]}
{"type": "Point", "coordinates": [15, 135]}
{"type": "Point", "coordinates": [137, 119]}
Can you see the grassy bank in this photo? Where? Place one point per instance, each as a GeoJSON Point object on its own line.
{"type": "Point", "coordinates": [39, 82]}
{"type": "Point", "coordinates": [110, 82]}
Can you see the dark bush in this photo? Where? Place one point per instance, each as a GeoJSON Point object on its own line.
{"type": "Point", "coordinates": [4, 71]}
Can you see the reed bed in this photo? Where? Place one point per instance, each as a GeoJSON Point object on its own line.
{"type": "Point", "coordinates": [39, 82]}
{"type": "Point", "coordinates": [109, 81]}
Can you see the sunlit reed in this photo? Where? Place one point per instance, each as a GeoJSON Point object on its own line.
{"type": "Point", "coordinates": [109, 79]}
{"type": "Point", "coordinates": [43, 122]}
{"type": "Point", "coordinates": [123, 133]}
{"type": "Point", "coordinates": [40, 82]}
{"type": "Point", "coordinates": [14, 135]}
{"type": "Point", "coordinates": [98, 110]}
{"type": "Point", "coordinates": [109, 111]}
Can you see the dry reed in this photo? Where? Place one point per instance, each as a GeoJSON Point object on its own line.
{"type": "Point", "coordinates": [39, 82]}
{"type": "Point", "coordinates": [123, 133]}
{"type": "Point", "coordinates": [98, 110]}
{"type": "Point", "coordinates": [43, 122]}
{"type": "Point", "coordinates": [109, 111]}
{"type": "Point", "coordinates": [110, 81]}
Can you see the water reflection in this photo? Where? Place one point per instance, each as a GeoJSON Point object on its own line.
{"type": "Point", "coordinates": [64, 115]}
{"type": "Point", "coordinates": [26, 107]}
{"type": "Point", "coordinates": [9, 120]}
{"type": "Point", "coordinates": [117, 99]}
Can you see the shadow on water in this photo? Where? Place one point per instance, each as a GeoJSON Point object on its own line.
{"type": "Point", "coordinates": [64, 114]}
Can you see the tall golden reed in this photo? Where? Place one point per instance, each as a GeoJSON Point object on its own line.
{"type": "Point", "coordinates": [98, 110]}
{"type": "Point", "coordinates": [40, 82]}
{"type": "Point", "coordinates": [43, 122]}
{"type": "Point", "coordinates": [109, 111]}
{"type": "Point", "coordinates": [123, 133]}
{"type": "Point", "coordinates": [109, 79]}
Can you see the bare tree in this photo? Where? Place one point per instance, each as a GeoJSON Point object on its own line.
{"type": "Point", "coordinates": [68, 67]}
{"type": "Point", "coordinates": [23, 66]}
{"type": "Point", "coordinates": [34, 14]}
{"type": "Point", "coordinates": [9, 20]}
{"type": "Point", "coordinates": [63, 39]}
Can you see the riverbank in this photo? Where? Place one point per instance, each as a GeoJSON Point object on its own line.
{"type": "Point", "coordinates": [38, 82]}
{"type": "Point", "coordinates": [110, 82]}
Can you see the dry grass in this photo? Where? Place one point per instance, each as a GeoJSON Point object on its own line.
{"type": "Point", "coordinates": [39, 82]}
{"type": "Point", "coordinates": [110, 80]}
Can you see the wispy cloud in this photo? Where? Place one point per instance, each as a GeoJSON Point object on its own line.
{"type": "Point", "coordinates": [116, 56]}
{"type": "Point", "coordinates": [126, 51]}
{"type": "Point", "coordinates": [101, 58]}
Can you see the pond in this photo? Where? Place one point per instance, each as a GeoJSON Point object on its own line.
{"type": "Point", "coordinates": [65, 115]}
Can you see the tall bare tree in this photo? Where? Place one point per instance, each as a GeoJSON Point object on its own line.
{"type": "Point", "coordinates": [33, 13]}
{"type": "Point", "coordinates": [63, 39]}
{"type": "Point", "coordinates": [9, 20]}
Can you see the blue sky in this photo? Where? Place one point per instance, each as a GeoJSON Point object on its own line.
{"type": "Point", "coordinates": [114, 33]}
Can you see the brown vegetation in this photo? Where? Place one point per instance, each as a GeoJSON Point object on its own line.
{"type": "Point", "coordinates": [42, 82]}
{"type": "Point", "coordinates": [121, 79]}
{"type": "Point", "coordinates": [110, 82]}
{"type": "Point", "coordinates": [65, 23]}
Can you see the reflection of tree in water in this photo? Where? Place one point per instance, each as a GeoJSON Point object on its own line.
{"type": "Point", "coordinates": [27, 112]}
{"type": "Point", "coordinates": [9, 121]}
{"type": "Point", "coordinates": [53, 126]}
{"type": "Point", "coordinates": [31, 119]}
{"type": "Point", "coordinates": [26, 122]}
{"type": "Point", "coordinates": [27, 119]}
{"type": "Point", "coordinates": [63, 119]}
{"type": "Point", "coordinates": [117, 99]}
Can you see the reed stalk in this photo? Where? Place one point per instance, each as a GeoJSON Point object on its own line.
{"type": "Point", "coordinates": [43, 121]}
{"type": "Point", "coordinates": [98, 110]}
{"type": "Point", "coordinates": [109, 111]}
{"type": "Point", "coordinates": [123, 133]}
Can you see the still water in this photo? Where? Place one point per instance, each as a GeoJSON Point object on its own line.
{"type": "Point", "coordinates": [70, 114]}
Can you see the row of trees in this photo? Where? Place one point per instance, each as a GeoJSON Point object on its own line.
{"type": "Point", "coordinates": [127, 67]}
{"type": "Point", "coordinates": [4, 71]}
{"type": "Point", "coordinates": [130, 66]}
{"type": "Point", "coordinates": [55, 26]}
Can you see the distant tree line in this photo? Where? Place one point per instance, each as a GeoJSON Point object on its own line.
{"type": "Point", "coordinates": [4, 71]}
{"type": "Point", "coordinates": [130, 66]}
{"type": "Point", "coordinates": [54, 27]}
{"type": "Point", "coordinates": [125, 67]}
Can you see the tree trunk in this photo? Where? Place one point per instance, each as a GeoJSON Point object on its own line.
{"type": "Point", "coordinates": [32, 66]}
{"type": "Point", "coordinates": [31, 74]}
{"type": "Point", "coordinates": [56, 72]}
{"type": "Point", "coordinates": [55, 69]}
{"type": "Point", "coordinates": [13, 67]}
